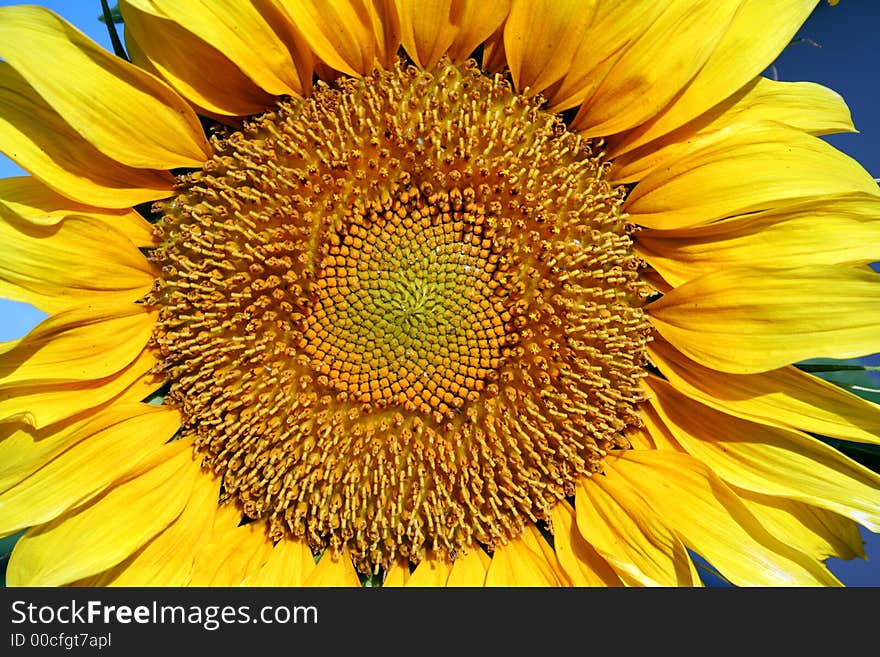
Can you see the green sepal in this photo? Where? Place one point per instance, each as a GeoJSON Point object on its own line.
{"type": "Point", "coordinates": [851, 375]}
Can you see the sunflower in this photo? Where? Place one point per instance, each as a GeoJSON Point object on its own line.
{"type": "Point", "coordinates": [430, 292]}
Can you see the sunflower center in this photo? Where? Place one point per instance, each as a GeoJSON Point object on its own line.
{"type": "Point", "coordinates": [402, 316]}
{"type": "Point", "coordinates": [409, 308]}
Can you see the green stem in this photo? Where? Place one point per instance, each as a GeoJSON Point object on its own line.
{"type": "Point", "coordinates": [111, 29]}
{"type": "Point", "coordinates": [837, 368]}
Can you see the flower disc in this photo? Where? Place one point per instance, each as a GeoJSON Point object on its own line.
{"type": "Point", "coordinates": [401, 316]}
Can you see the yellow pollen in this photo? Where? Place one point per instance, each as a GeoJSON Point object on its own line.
{"type": "Point", "coordinates": [401, 316]}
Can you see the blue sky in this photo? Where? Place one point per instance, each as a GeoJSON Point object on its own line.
{"type": "Point", "coordinates": [838, 50]}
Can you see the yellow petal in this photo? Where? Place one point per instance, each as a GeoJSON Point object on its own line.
{"type": "Point", "coordinates": [167, 560]}
{"type": "Point", "coordinates": [428, 29]}
{"type": "Point", "coordinates": [434, 28]}
{"type": "Point", "coordinates": [580, 561]}
{"type": "Point", "coordinates": [818, 532]}
{"type": "Point", "coordinates": [535, 540]}
{"type": "Point", "coordinates": [43, 265]}
{"type": "Point", "coordinates": [144, 388]}
{"type": "Point", "coordinates": [397, 575]}
{"type": "Point", "coordinates": [42, 405]}
{"type": "Point", "coordinates": [809, 107]}
{"type": "Point", "coordinates": [494, 58]}
{"type": "Point", "coordinates": [386, 28]}
{"type": "Point", "coordinates": [713, 522]}
{"type": "Point", "coordinates": [652, 277]}
{"type": "Point", "coordinates": [758, 33]}
{"type": "Point", "coordinates": [81, 344]}
{"type": "Point", "coordinates": [479, 20]}
{"type": "Point", "coordinates": [638, 438]}
{"type": "Point", "coordinates": [517, 564]}
{"type": "Point", "coordinates": [629, 535]}
{"type": "Point", "coordinates": [88, 467]}
{"type": "Point", "coordinates": [234, 552]}
{"type": "Point", "coordinates": [125, 113]}
{"type": "Point", "coordinates": [786, 397]}
{"type": "Point", "coordinates": [469, 569]}
{"type": "Point", "coordinates": [289, 564]}
{"type": "Point", "coordinates": [743, 168]}
{"type": "Point", "coordinates": [106, 530]}
{"type": "Point", "coordinates": [430, 572]}
{"type": "Point", "coordinates": [333, 571]}
{"type": "Point", "coordinates": [822, 231]}
{"type": "Point", "coordinates": [196, 70]}
{"type": "Point", "coordinates": [36, 138]}
{"type": "Point", "coordinates": [349, 35]}
{"type": "Point", "coordinates": [655, 66]}
{"type": "Point", "coordinates": [35, 202]}
{"type": "Point", "coordinates": [247, 551]}
{"type": "Point", "coordinates": [656, 430]}
{"type": "Point", "coordinates": [753, 320]}
{"type": "Point", "coordinates": [24, 449]}
{"type": "Point", "coordinates": [242, 32]}
{"type": "Point", "coordinates": [769, 460]}
{"type": "Point", "coordinates": [56, 419]}
{"type": "Point", "coordinates": [541, 38]}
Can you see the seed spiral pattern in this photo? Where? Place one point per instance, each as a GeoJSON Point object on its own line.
{"type": "Point", "coordinates": [401, 316]}
{"type": "Point", "coordinates": [410, 309]}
